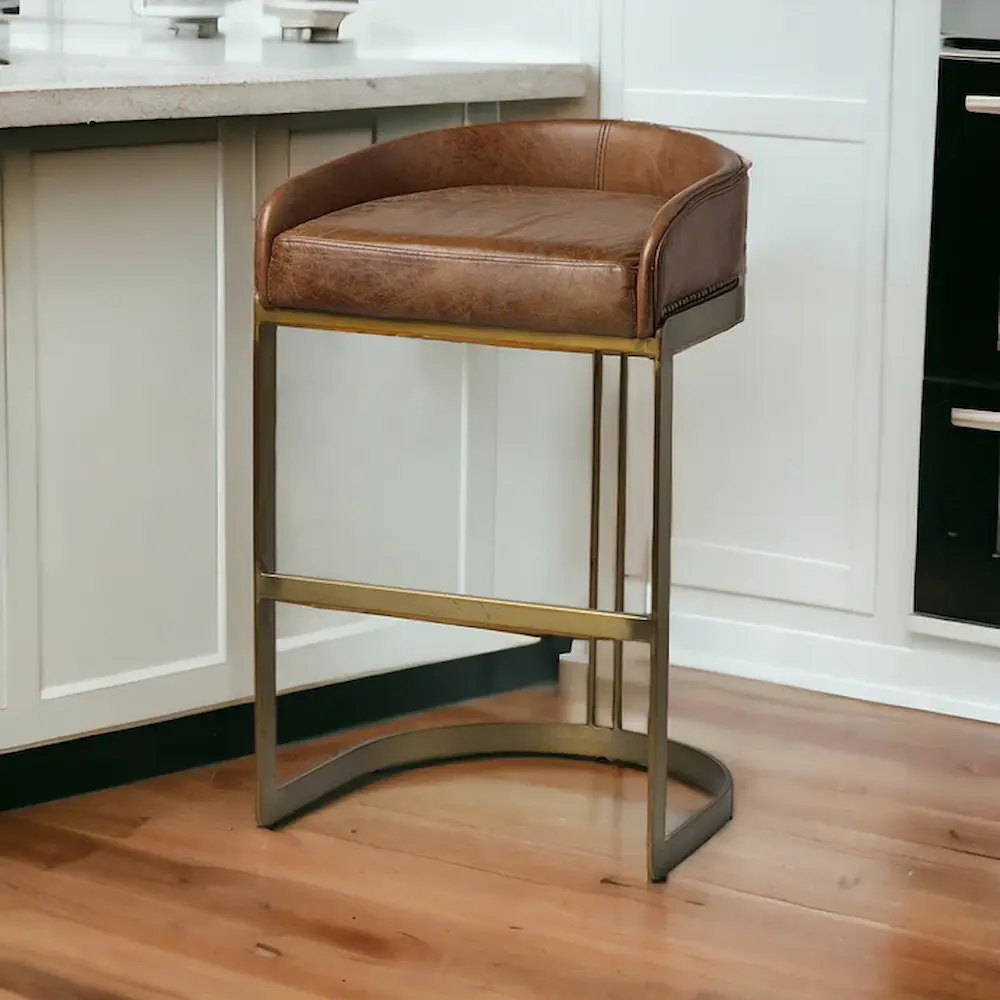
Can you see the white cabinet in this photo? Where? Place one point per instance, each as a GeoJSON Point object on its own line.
{"type": "Point", "coordinates": [776, 463]}
{"type": "Point", "coordinates": [797, 433]}
{"type": "Point", "coordinates": [126, 317]}
{"type": "Point", "coordinates": [125, 574]}
{"type": "Point", "coordinates": [780, 454]}
{"type": "Point", "coordinates": [777, 452]}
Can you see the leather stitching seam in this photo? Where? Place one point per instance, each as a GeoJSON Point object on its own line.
{"type": "Point", "coordinates": [421, 253]}
{"type": "Point", "coordinates": [602, 148]}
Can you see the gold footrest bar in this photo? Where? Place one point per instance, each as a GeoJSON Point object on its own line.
{"type": "Point", "coordinates": [421, 747]}
{"type": "Point", "coordinates": [489, 336]}
{"type": "Point", "coordinates": [455, 609]}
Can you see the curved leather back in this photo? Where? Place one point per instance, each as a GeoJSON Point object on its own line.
{"type": "Point", "coordinates": [606, 155]}
{"type": "Point", "coordinates": [630, 157]}
{"type": "Point", "coordinates": [610, 155]}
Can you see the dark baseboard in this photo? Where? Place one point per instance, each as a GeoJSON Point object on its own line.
{"type": "Point", "coordinates": [105, 760]}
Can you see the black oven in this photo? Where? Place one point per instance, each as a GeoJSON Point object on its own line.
{"type": "Point", "coordinates": [958, 521]}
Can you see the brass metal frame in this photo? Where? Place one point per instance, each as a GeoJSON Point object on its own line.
{"type": "Point", "coordinates": [661, 757]}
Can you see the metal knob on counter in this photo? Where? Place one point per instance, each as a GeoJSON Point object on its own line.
{"type": "Point", "coordinates": [201, 16]}
{"type": "Point", "coordinates": [310, 20]}
{"type": "Point", "coordinates": [7, 10]}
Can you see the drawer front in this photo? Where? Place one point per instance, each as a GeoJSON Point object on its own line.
{"type": "Point", "coordinates": [963, 302]}
{"type": "Point", "coordinates": [958, 522]}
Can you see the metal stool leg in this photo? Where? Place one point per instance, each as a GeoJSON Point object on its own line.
{"type": "Point", "coordinates": [657, 772]}
{"type": "Point", "coordinates": [621, 511]}
{"type": "Point", "coordinates": [596, 410]}
{"type": "Point", "coordinates": [668, 759]}
{"type": "Point", "coordinates": [264, 516]}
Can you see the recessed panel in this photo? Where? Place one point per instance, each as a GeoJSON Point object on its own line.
{"type": "Point", "coordinates": [313, 148]}
{"type": "Point", "coordinates": [543, 476]}
{"type": "Point", "coordinates": [371, 462]}
{"type": "Point", "coordinates": [766, 414]}
{"type": "Point", "coordinates": [128, 410]}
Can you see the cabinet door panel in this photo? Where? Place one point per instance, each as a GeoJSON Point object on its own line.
{"type": "Point", "coordinates": [963, 297]}
{"type": "Point", "coordinates": [122, 604]}
{"type": "Point", "coordinates": [958, 523]}
{"type": "Point", "coordinates": [776, 459]}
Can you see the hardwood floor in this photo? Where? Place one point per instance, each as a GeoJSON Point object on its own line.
{"type": "Point", "coordinates": [862, 863]}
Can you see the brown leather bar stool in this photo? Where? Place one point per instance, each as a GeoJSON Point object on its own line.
{"type": "Point", "coordinates": [603, 237]}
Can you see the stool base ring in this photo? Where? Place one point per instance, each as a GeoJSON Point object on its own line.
{"type": "Point", "coordinates": [390, 754]}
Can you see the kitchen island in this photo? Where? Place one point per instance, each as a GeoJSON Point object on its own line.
{"type": "Point", "coordinates": [69, 74]}
{"type": "Point", "coordinates": [132, 165]}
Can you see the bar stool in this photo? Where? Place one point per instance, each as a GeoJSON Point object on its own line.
{"type": "Point", "coordinates": [603, 237]}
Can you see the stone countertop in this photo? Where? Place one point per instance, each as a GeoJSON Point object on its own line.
{"type": "Point", "coordinates": [65, 74]}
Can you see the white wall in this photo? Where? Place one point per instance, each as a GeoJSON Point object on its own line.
{"type": "Point", "coordinates": [519, 30]}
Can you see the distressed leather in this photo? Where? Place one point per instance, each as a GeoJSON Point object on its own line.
{"type": "Point", "coordinates": [593, 227]}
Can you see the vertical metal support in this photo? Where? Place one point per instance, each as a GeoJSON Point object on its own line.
{"type": "Point", "coordinates": [658, 857]}
{"type": "Point", "coordinates": [265, 372]}
{"type": "Point", "coordinates": [621, 503]}
{"type": "Point", "coordinates": [595, 527]}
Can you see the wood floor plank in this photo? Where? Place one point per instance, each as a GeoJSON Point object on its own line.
{"type": "Point", "coordinates": [862, 863]}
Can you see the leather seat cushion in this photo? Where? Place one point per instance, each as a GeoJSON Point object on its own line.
{"type": "Point", "coordinates": [557, 259]}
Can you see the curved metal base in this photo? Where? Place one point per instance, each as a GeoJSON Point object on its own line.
{"type": "Point", "coordinates": [414, 748]}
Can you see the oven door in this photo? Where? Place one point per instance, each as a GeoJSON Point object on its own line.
{"type": "Point", "coordinates": [958, 521]}
{"type": "Point", "coordinates": [963, 297]}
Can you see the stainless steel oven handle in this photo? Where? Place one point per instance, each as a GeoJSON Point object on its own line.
{"type": "Point", "coordinates": [976, 420]}
{"type": "Point", "coordinates": [982, 104]}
